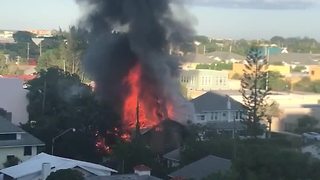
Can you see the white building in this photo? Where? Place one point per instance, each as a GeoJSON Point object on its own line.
{"type": "Point", "coordinates": [13, 99]}
{"type": "Point", "coordinates": [204, 79]}
{"type": "Point", "coordinates": [41, 165]}
{"type": "Point", "coordinates": [14, 142]}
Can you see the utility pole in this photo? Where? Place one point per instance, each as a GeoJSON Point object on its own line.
{"type": "Point", "coordinates": [28, 51]}
{"type": "Point", "coordinates": [267, 65]}
{"type": "Point", "coordinates": [138, 133]}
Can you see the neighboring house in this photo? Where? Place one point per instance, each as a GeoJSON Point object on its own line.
{"type": "Point", "coordinates": [14, 142]}
{"type": "Point", "coordinates": [165, 136]}
{"type": "Point", "coordinates": [172, 158]}
{"type": "Point", "coordinates": [202, 168]}
{"type": "Point", "coordinates": [41, 165]}
{"type": "Point", "coordinates": [141, 172]}
{"type": "Point", "coordinates": [213, 107]}
{"type": "Point", "coordinates": [295, 59]}
{"type": "Point", "coordinates": [225, 56]}
{"type": "Point", "coordinates": [13, 99]}
{"type": "Point", "coordinates": [204, 79]}
{"type": "Point", "coordinates": [192, 60]}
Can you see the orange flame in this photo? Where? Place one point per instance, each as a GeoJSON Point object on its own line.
{"type": "Point", "coordinates": [149, 108]}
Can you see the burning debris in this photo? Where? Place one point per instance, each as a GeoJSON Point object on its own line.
{"type": "Point", "coordinates": [129, 57]}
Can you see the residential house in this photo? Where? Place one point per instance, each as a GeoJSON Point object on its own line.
{"type": "Point", "coordinates": [13, 99]}
{"type": "Point", "coordinates": [172, 158]}
{"type": "Point", "coordinates": [215, 107]}
{"type": "Point", "coordinates": [225, 56]}
{"type": "Point", "coordinates": [202, 168]}
{"type": "Point", "coordinates": [314, 72]}
{"type": "Point", "coordinates": [41, 165]}
{"type": "Point", "coordinates": [14, 142]}
{"type": "Point", "coordinates": [165, 136]}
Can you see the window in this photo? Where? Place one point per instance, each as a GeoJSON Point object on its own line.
{"type": "Point", "coordinates": [27, 151]}
{"type": "Point", "coordinates": [312, 73]}
{"type": "Point", "coordinates": [8, 137]}
{"type": "Point", "coordinates": [224, 114]}
{"type": "Point", "coordinates": [202, 117]}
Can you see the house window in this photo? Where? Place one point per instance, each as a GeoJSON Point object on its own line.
{"type": "Point", "coordinates": [224, 114]}
{"type": "Point", "coordinates": [216, 115]}
{"type": "Point", "coordinates": [8, 137]}
{"type": "Point", "coordinates": [202, 117]}
{"type": "Point", "coordinates": [312, 73]}
{"type": "Point", "coordinates": [27, 151]}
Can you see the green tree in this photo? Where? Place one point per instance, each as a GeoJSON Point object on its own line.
{"type": "Point", "coordinates": [11, 162]}
{"type": "Point", "coordinates": [3, 64]}
{"type": "Point", "coordinates": [66, 174]}
{"type": "Point", "coordinates": [50, 58]}
{"type": "Point", "coordinates": [59, 101]}
{"type": "Point", "coordinates": [254, 96]}
{"type": "Point", "coordinates": [277, 82]}
{"type": "Point", "coordinates": [306, 124]}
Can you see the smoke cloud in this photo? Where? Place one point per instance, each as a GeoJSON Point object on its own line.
{"type": "Point", "coordinates": [126, 32]}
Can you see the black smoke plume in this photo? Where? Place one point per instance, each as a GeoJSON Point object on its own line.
{"type": "Point", "coordinates": [126, 32]}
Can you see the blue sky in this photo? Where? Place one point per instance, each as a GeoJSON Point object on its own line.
{"type": "Point", "coordinates": [235, 19]}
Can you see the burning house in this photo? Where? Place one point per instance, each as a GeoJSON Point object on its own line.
{"type": "Point", "coordinates": [130, 58]}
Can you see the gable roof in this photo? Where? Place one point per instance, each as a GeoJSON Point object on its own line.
{"type": "Point", "coordinates": [295, 58]}
{"type": "Point", "coordinates": [198, 58]}
{"type": "Point", "coordinates": [212, 101]}
{"type": "Point", "coordinates": [173, 155]}
{"type": "Point", "coordinates": [6, 127]}
{"type": "Point", "coordinates": [33, 166]}
{"type": "Point", "coordinates": [223, 55]}
{"type": "Point", "coordinates": [203, 168]}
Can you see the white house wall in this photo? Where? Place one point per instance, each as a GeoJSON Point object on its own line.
{"type": "Point", "coordinates": [13, 99]}
{"type": "Point", "coordinates": [17, 152]}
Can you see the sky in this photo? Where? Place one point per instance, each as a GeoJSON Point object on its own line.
{"type": "Point", "coordinates": [235, 19]}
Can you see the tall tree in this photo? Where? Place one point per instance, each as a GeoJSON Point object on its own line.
{"type": "Point", "coordinates": [254, 95]}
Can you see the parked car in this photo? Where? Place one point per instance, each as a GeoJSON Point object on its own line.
{"type": "Point", "coordinates": [311, 136]}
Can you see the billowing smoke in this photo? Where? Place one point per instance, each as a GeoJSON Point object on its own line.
{"type": "Point", "coordinates": [136, 34]}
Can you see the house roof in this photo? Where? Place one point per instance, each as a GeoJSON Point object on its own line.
{"type": "Point", "coordinates": [173, 155]}
{"type": "Point", "coordinates": [6, 127]}
{"type": "Point", "coordinates": [33, 166]}
{"type": "Point", "coordinates": [198, 58]}
{"type": "Point", "coordinates": [295, 58]}
{"type": "Point", "coordinates": [124, 177]}
{"type": "Point", "coordinates": [212, 101]}
{"type": "Point", "coordinates": [223, 55]}
{"type": "Point", "coordinates": [203, 168]}
{"type": "Point", "coordinates": [26, 140]}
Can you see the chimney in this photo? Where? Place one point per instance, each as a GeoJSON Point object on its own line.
{"type": "Point", "coordinates": [142, 170]}
{"type": "Point", "coordinates": [45, 171]}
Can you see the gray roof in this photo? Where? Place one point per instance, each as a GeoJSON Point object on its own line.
{"type": "Point", "coordinates": [295, 58]}
{"type": "Point", "coordinates": [173, 155]}
{"type": "Point", "coordinates": [198, 58]}
{"type": "Point", "coordinates": [203, 168]}
{"type": "Point", "coordinates": [212, 101]}
{"type": "Point", "coordinates": [223, 55]}
{"type": "Point", "coordinates": [6, 127]}
{"type": "Point", "coordinates": [124, 177]}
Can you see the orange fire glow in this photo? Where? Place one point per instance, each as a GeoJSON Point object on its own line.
{"type": "Point", "coordinates": [150, 111]}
